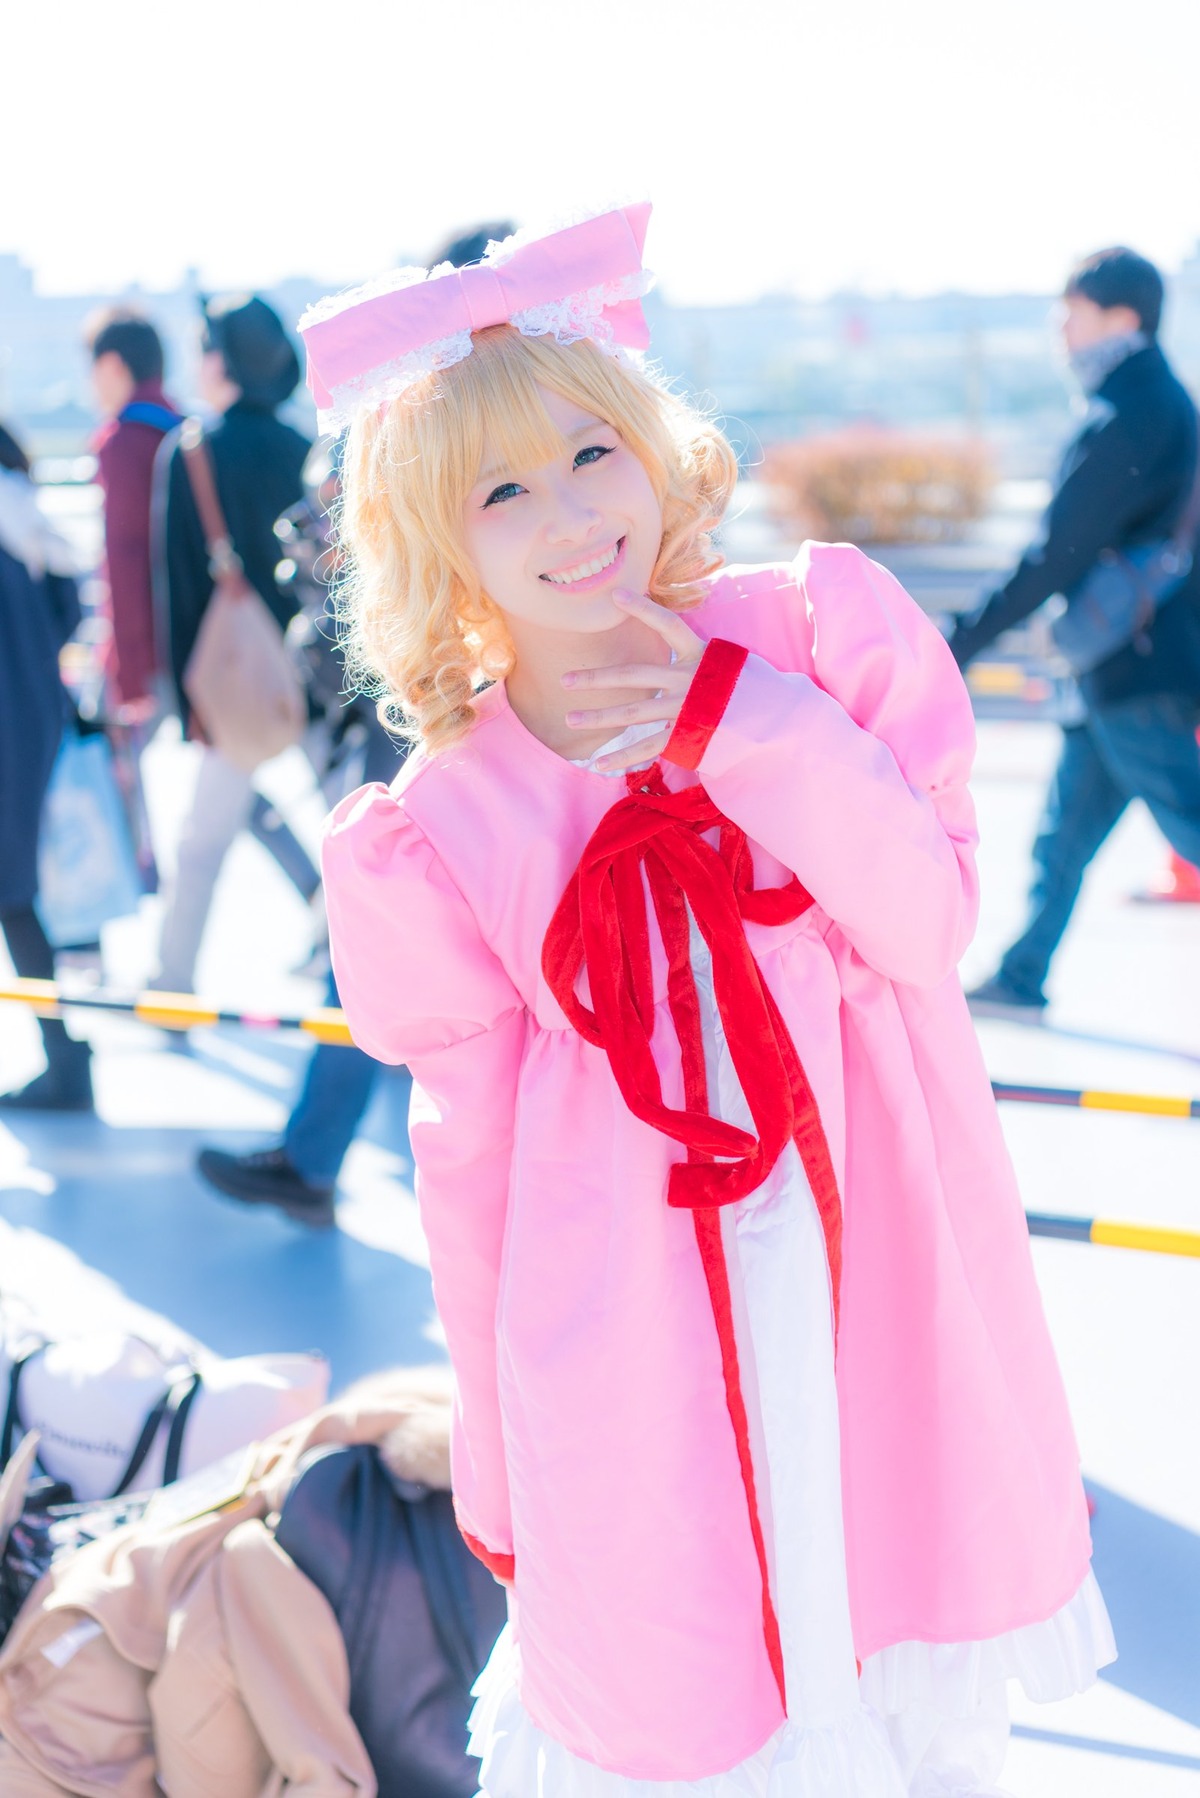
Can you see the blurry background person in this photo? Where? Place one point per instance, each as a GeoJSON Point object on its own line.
{"type": "Point", "coordinates": [39, 608]}
{"type": "Point", "coordinates": [298, 1173]}
{"type": "Point", "coordinates": [1126, 479]}
{"type": "Point", "coordinates": [127, 376]}
{"type": "Point", "coordinates": [248, 369]}
{"type": "Point", "coordinates": [469, 245]}
{"type": "Point", "coordinates": [127, 384]}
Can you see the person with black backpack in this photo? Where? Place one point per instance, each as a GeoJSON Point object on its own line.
{"type": "Point", "coordinates": [303, 1615]}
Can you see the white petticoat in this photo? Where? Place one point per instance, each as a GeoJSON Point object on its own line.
{"type": "Point", "coordinates": [933, 1723]}
{"type": "Point", "coordinates": [923, 1720]}
{"type": "Point", "coordinates": [853, 1760]}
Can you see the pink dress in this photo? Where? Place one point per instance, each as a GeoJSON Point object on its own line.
{"type": "Point", "coordinates": [700, 1561]}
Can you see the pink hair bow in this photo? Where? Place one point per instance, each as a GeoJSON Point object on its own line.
{"type": "Point", "coordinates": [585, 280]}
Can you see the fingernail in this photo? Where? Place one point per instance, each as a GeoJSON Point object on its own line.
{"type": "Point", "coordinates": [623, 596]}
{"type": "Point", "coordinates": [576, 717]}
{"type": "Point", "coordinates": [568, 680]}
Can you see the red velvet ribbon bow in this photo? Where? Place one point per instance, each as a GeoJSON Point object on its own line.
{"type": "Point", "coordinates": [601, 923]}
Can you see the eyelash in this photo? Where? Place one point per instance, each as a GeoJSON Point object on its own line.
{"type": "Point", "coordinates": [597, 451]}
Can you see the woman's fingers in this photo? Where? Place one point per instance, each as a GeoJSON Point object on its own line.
{"type": "Point", "coordinates": [661, 689]}
{"type": "Point", "coordinates": [636, 711]}
{"type": "Point", "coordinates": [674, 677]}
{"type": "Point", "coordinates": [669, 625]}
{"type": "Point", "coordinates": [635, 756]}
{"type": "Point", "coordinates": [632, 674]}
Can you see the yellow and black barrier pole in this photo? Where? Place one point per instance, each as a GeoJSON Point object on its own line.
{"type": "Point", "coordinates": [183, 1011]}
{"type": "Point", "coordinates": [1159, 1105]}
{"type": "Point", "coordinates": [1153, 1239]}
{"type": "Point", "coordinates": [171, 1011]}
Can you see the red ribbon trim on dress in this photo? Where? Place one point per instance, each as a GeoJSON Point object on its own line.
{"type": "Point", "coordinates": [501, 1567]}
{"type": "Point", "coordinates": [601, 924]}
{"type": "Point", "coordinates": [704, 706]}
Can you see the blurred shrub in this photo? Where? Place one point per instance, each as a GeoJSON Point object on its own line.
{"type": "Point", "coordinates": [872, 485]}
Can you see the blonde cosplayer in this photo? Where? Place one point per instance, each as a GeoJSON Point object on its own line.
{"type": "Point", "coordinates": [419, 631]}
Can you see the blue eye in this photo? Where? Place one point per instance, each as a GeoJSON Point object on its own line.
{"type": "Point", "coordinates": [592, 453]}
{"type": "Point", "coordinates": [499, 494]}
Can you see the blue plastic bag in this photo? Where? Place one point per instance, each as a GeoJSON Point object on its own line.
{"type": "Point", "coordinates": [87, 870]}
{"type": "Point", "coordinates": [1115, 603]}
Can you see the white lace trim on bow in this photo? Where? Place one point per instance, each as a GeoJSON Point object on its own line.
{"type": "Point", "coordinates": [582, 314]}
{"type": "Point", "coordinates": [376, 386]}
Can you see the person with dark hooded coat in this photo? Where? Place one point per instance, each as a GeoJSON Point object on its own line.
{"type": "Point", "coordinates": [1127, 481]}
{"type": "Point", "coordinates": [39, 608]}
{"type": "Point", "coordinates": [248, 369]}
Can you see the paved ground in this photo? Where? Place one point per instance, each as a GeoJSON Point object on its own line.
{"type": "Point", "coordinates": [97, 1215]}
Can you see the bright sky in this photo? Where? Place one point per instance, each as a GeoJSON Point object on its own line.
{"type": "Point", "coordinates": [807, 144]}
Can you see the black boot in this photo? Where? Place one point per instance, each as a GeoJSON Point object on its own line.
{"type": "Point", "coordinates": [267, 1177]}
{"type": "Point", "coordinates": [66, 1084]}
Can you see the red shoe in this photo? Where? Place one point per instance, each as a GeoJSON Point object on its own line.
{"type": "Point", "coordinates": [1180, 885]}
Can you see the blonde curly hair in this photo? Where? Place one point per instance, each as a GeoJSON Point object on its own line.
{"type": "Point", "coordinates": [419, 632]}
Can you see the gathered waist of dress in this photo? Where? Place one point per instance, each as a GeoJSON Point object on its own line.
{"type": "Point", "coordinates": [766, 942]}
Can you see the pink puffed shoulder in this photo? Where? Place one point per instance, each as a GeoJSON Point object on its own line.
{"type": "Point", "coordinates": [849, 681]}
{"type": "Point", "coordinates": [412, 971]}
{"type": "Point", "coordinates": [872, 638]}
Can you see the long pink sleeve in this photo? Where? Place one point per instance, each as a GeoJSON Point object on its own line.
{"type": "Point", "coordinates": [418, 985]}
{"type": "Point", "coordinates": [854, 775]}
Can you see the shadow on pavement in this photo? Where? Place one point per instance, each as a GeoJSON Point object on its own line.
{"type": "Point", "coordinates": [126, 1202]}
{"type": "Point", "coordinates": [1125, 1751]}
{"type": "Point", "coordinates": [386, 1121]}
{"type": "Point", "coordinates": [1068, 1034]}
{"type": "Point", "coordinates": [1149, 1572]}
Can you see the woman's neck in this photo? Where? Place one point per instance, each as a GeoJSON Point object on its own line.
{"type": "Point", "coordinates": [541, 702]}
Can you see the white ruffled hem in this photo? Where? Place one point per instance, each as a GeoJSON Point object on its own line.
{"type": "Point", "coordinates": [1052, 1660]}
{"type": "Point", "coordinates": [853, 1758]}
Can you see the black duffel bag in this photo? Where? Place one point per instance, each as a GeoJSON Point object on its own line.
{"type": "Point", "coordinates": [418, 1613]}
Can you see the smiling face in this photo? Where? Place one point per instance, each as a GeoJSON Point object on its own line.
{"type": "Point", "coordinates": [549, 544]}
{"type": "Point", "coordinates": [442, 589]}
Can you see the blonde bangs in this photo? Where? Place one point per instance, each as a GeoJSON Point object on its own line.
{"type": "Point", "coordinates": [419, 632]}
{"type": "Point", "coordinates": [495, 398]}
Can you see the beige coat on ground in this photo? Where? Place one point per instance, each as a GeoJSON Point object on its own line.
{"type": "Point", "coordinates": [198, 1659]}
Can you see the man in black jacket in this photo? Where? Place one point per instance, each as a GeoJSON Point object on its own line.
{"type": "Point", "coordinates": [1127, 479]}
